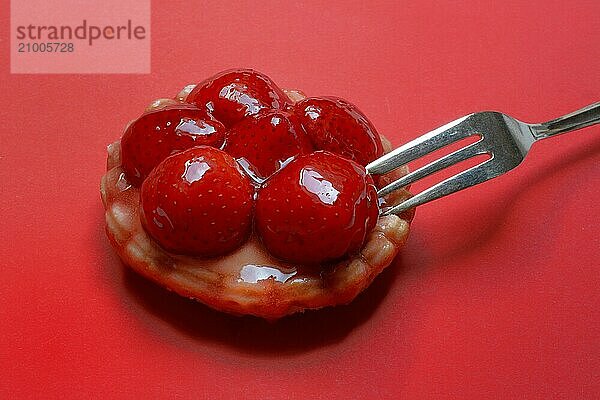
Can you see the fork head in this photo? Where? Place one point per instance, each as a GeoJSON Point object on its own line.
{"type": "Point", "coordinates": [504, 139]}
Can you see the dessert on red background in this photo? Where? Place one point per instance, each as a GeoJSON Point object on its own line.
{"type": "Point", "coordinates": [251, 199]}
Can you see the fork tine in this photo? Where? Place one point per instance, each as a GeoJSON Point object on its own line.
{"type": "Point", "coordinates": [421, 146]}
{"type": "Point", "coordinates": [467, 178]}
{"type": "Point", "coordinates": [434, 166]}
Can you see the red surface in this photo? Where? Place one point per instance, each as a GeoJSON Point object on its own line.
{"type": "Point", "coordinates": [495, 296]}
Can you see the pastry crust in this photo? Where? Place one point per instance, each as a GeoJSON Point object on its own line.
{"type": "Point", "coordinates": [249, 280]}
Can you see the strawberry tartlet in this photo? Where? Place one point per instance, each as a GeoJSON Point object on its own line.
{"type": "Point", "coordinates": [252, 199]}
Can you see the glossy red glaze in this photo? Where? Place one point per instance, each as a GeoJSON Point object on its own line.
{"type": "Point", "coordinates": [335, 125]}
{"type": "Point", "coordinates": [157, 134]}
{"type": "Point", "coordinates": [198, 202]}
{"type": "Point", "coordinates": [313, 208]}
{"type": "Point", "coordinates": [318, 208]}
{"type": "Point", "coordinates": [264, 143]}
{"type": "Point", "coordinates": [234, 94]}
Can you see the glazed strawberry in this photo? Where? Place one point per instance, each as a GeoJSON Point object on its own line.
{"type": "Point", "coordinates": [235, 94]}
{"type": "Point", "coordinates": [198, 202]}
{"type": "Point", "coordinates": [335, 125]}
{"type": "Point", "coordinates": [316, 209]}
{"type": "Point", "coordinates": [158, 134]}
{"type": "Point", "coordinates": [267, 141]}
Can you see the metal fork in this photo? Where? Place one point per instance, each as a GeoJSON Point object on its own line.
{"type": "Point", "coordinates": [504, 139]}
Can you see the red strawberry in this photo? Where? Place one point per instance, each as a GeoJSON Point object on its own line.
{"type": "Point", "coordinates": [267, 141]}
{"type": "Point", "coordinates": [335, 125]}
{"type": "Point", "coordinates": [158, 134]}
{"type": "Point", "coordinates": [234, 94]}
{"type": "Point", "coordinates": [198, 202]}
{"type": "Point", "coordinates": [316, 209]}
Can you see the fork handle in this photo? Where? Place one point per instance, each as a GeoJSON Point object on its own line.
{"type": "Point", "coordinates": [586, 116]}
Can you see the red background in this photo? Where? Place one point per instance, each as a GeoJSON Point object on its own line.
{"type": "Point", "coordinates": [495, 295]}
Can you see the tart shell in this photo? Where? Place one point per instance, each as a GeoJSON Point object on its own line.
{"type": "Point", "coordinates": [247, 281]}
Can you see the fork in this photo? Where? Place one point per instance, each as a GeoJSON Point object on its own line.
{"type": "Point", "coordinates": [504, 139]}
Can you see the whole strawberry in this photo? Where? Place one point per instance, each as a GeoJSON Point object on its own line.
{"type": "Point", "coordinates": [267, 141]}
{"type": "Point", "coordinates": [158, 134]}
{"type": "Point", "coordinates": [198, 202]}
{"type": "Point", "coordinates": [335, 125]}
{"type": "Point", "coordinates": [316, 209]}
{"type": "Point", "coordinates": [234, 94]}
